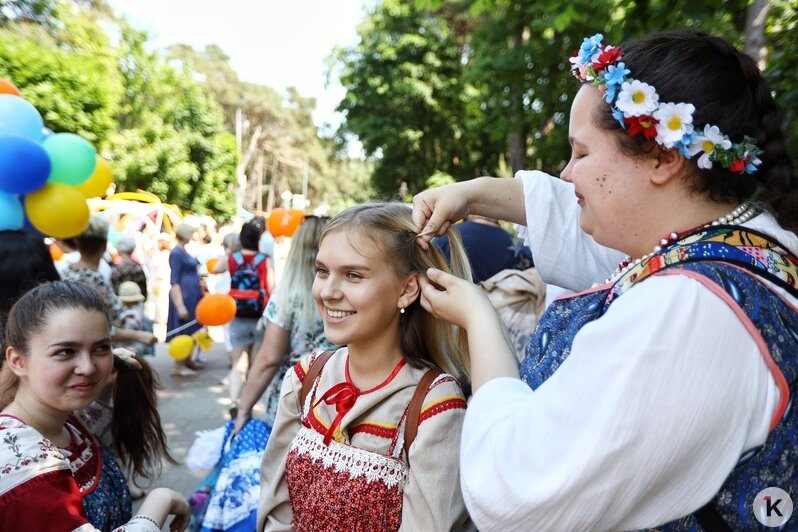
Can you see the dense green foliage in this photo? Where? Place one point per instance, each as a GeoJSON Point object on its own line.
{"type": "Point", "coordinates": [435, 89]}
{"type": "Point", "coordinates": [485, 83]}
{"type": "Point", "coordinates": [167, 121]}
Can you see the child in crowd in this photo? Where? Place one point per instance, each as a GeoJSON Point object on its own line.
{"type": "Point", "coordinates": [57, 364]}
{"type": "Point", "coordinates": [133, 316]}
{"type": "Point", "coordinates": [367, 437]}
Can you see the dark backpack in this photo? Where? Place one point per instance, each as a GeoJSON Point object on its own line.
{"type": "Point", "coordinates": [247, 287]}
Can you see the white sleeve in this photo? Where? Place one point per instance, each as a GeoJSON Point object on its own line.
{"type": "Point", "coordinates": [564, 255]}
{"type": "Point", "coordinates": [640, 425]}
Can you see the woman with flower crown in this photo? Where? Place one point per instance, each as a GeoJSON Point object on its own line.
{"type": "Point", "coordinates": [659, 394]}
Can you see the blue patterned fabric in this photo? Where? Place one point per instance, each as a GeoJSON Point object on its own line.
{"type": "Point", "coordinates": [773, 464]}
{"type": "Point", "coordinates": [233, 504]}
{"type": "Point", "coordinates": [109, 506]}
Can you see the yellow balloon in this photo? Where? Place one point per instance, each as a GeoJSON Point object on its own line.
{"type": "Point", "coordinates": [57, 210]}
{"type": "Point", "coordinates": [97, 184]}
{"type": "Point", "coordinates": [180, 347]}
{"type": "Point", "coordinates": [203, 339]}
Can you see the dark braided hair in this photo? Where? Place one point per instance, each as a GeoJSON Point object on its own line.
{"type": "Point", "coordinates": [728, 91]}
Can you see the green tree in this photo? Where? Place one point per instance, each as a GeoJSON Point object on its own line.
{"type": "Point", "coordinates": [67, 70]}
{"type": "Point", "coordinates": [279, 128]}
{"type": "Point", "coordinates": [516, 51]}
{"type": "Point", "coordinates": [405, 97]}
{"type": "Point", "coordinates": [782, 49]}
{"type": "Point", "coordinates": [171, 140]}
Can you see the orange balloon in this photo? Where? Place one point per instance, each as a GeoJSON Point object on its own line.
{"type": "Point", "coordinates": [216, 309]}
{"type": "Point", "coordinates": [56, 252]}
{"type": "Point", "coordinates": [6, 87]}
{"type": "Point", "coordinates": [211, 264]}
{"type": "Point", "coordinates": [284, 222]}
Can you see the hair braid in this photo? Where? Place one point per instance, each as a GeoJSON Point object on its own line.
{"type": "Point", "coordinates": [777, 176]}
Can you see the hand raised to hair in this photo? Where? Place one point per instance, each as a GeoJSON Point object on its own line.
{"type": "Point", "coordinates": [453, 299]}
{"type": "Point", "coordinates": [434, 210]}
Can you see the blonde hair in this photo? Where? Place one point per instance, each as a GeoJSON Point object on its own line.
{"type": "Point", "coordinates": [426, 341]}
{"type": "Point", "coordinates": [299, 270]}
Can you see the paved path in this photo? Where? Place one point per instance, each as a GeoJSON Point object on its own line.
{"type": "Point", "coordinates": [187, 405]}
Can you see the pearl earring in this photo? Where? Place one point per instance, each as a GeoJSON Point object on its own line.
{"type": "Point", "coordinates": [401, 310]}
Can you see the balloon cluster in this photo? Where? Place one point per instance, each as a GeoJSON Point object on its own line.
{"type": "Point", "coordinates": [45, 177]}
{"type": "Point", "coordinates": [212, 310]}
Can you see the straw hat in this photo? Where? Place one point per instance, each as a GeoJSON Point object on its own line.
{"type": "Point", "coordinates": [129, 292]}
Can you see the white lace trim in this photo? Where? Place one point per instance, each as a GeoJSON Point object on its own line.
{"type": "Point", "coordinates": [348, 459]}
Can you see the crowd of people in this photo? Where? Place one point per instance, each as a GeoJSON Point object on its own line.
{"type": "Point", "coordinates": [656, 393]}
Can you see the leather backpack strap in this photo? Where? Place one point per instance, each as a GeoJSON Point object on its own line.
{"type": "Point", "coordinates": [310, 376]}
{"type": "Point", "coordinates": [414, 410]}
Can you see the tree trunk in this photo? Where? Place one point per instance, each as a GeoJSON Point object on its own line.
{"type": "Point", "coordinates": [755, 19]}
{"type": "Point", "coordinates": [517, 136]}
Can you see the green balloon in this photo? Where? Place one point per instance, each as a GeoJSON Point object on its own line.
{"type": "Point", "coordinates": [72, 157]}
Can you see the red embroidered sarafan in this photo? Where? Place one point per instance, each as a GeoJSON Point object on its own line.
{"type": "Point", "coordinates": [340, 487]}
{"type": "Point", "coordinates": [335, 486]}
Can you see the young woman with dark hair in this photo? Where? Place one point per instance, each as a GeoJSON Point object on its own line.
{"type": "Point", "coordinates": [59, 361]}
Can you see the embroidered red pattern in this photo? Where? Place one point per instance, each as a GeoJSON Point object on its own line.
{"type": "Point", "coordinates": [388, 433]}
{"type": "Point", "coordinates": [339, 487]}
{"type": "Point", "coordinates": [441, 406]}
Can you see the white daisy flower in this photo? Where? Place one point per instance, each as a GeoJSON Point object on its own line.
{"type": "Point", "coordinates": [637, 98]}
{"type": "Point", "coordinates": [706, 143]}
{"type": "Point", "coordinates": [674, 121]}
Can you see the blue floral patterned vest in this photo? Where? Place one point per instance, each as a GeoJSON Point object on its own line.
{"type": "Point", "coordinates": [723, 255]}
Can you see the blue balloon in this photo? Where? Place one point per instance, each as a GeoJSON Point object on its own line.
{"type": "Point", "coordinates": [19, 117]}
{"type": "Point", "coordinates": [24, 165]}
{"type": "Point", "coordinates": [12, 215]}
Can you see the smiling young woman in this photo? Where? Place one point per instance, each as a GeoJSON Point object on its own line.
{"type": "Point", "coordinates": [342, 455]}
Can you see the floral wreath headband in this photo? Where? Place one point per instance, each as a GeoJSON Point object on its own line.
{"type": "Point", "coordinates": [636, 106]}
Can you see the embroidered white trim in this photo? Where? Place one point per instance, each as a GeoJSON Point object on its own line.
{"type": "Point", "coordinates": [348, 459]}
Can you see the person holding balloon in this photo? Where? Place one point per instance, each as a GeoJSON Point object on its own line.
{"type": "Point", "coordinates": [184, 294]}
{"type": "Point", "coordinates": [250, 287]}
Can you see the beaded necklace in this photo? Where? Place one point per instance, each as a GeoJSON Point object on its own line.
{"type": "Point", "coordinates": [737, 216]}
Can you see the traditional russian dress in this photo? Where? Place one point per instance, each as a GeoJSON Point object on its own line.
{"type": "Point", "coordinates": [645, 397]}
{"type": "Point", "coordinates": [337, 462]}
{"type": "Point", "coordinates": [722, 258]}
{"type": "Point", "coordinates": [78, 488]}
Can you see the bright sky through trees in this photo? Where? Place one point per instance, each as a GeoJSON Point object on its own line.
{"type": "Point", "coordinates": [272, 42]}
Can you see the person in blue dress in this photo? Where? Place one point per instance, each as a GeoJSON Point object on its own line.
{"type": "Point", "coordinates": [185, 293]}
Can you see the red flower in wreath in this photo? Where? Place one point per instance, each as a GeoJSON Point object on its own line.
{"type": "Point", "coordinates": [606, 58]}
{"type": "Point", "coordinates": [737, 166]}
{"type": "Point", "coordinates": [647, 125]}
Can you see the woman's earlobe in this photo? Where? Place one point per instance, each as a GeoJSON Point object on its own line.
{"type": "Point", "coordinates": [668, 164]}
{"type": "Point", "coordinates": [412, 290]}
